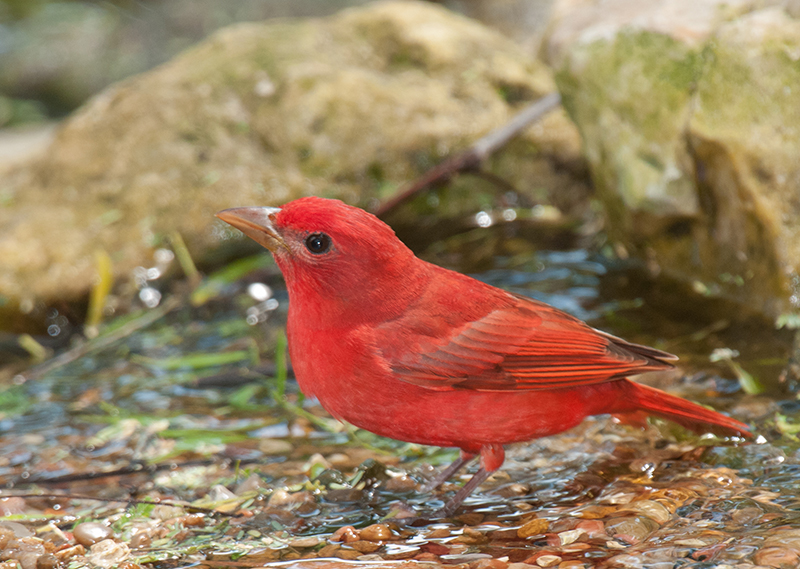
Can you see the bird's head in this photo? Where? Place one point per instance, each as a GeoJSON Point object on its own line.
{"type": "Point", "coordinates": [329, 250]}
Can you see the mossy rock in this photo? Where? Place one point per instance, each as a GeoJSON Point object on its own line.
{"type": "Point", "coordinates": [693, 142]}
{"type": "Point", "coordinates": [349, 106]}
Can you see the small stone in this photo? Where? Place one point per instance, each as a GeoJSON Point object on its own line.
{"type": "Point", "coordinates": [66, 554]}
{"type": "Point", "coordinates": [653, 510]}
{"type": "Point", "coordinates": [219, 493]}
{"type": "Point", "coordinates": [329, 550]}
{"type": "Point", "coordinates": [402, 483]}
{"type": "Point", "coordinates": [47, 561]}
{"type": "Point", "coordinates": [534, 527]}
{"type": "Point", "coordinates": [281, 498]}
{"type": "Point", "coordinates": [472, 537]}
{"type": "Point", "coordinates": [89, 533]}
{"type": "Point", "coordinates": [275, 447]}
{"type": "Point", "coordinates": [438, 533]}
{"type": "Point", "coordinates": [108, 553]}
{"type": "Point", "coordinates": [26, 550]}
{"type": "Point", "coordinates": [252, 483]}
{"type": "Point", "coordinates": [548, 560]}
{"type": "Point", "coordinates": [11, 506]}
{"type": "Point", "coordinates": [339, 459]}
{"type": "Point", "coordinates": [776, 556]}
{"type": "Point", "coordinates": [570, 536]}
{"type": "Point", "coordinates": [348, 554]}
{"type": "Point", "coordinates": [377, 532]}
{"type": "Point", "coordinates": [490, 564]}
{"type": "Point", "coordinates": [345, 534]}
{"type": "Point", "coordinates": [140, 540]}
{"type": "Point", "coordinates": [304, 542]}
{"type": "Point", "coordinates": [593, 528]}
{"type": "Point", "coordinates": [363, 546]}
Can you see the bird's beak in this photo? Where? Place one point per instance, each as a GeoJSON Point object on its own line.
{"type": "Point", "coordinates": [256, 223]}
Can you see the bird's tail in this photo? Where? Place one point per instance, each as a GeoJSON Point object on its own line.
{"type": "Point", "coordinates": [690, 415]}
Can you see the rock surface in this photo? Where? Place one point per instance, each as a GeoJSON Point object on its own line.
{"type": "Point", "coordinates": [690, 114]}
{"type": "Point", "coordinates": [349, 106]}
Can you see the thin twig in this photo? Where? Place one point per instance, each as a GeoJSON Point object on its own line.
{"type": "Point", "coordinates": [129, 501]}
{"type": "Point", "coordinates": [136, 468]}
{"type": "Point", "coordinates": [477, 153]}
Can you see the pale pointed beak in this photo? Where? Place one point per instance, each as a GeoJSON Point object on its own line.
{"type": "Point", "coordinates": [257, 224]}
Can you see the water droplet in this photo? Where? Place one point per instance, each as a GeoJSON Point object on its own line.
{"type": "Point", "coordinates": [150, 297]}
{"type": "Point", "coordinates": [153, 273]}
{"type": "Point", "coordinates": [54, 329]}
{"type": "Point", "coordinates": [163, 256]}
{"type": "Point", "coordinates": [259, 291]}
{"type": "Point", "coordinates": [483, 219]}
{"type": "Point", "coordinates": [509, 214]}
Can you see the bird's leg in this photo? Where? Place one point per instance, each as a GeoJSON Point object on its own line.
{"type": "Point", "coordinates": [492, 457]}
{"type": "Point", "coordinates": [445, 474]}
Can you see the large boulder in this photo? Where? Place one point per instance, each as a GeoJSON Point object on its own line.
{"type": "Point", "coordinates": [690, 115]}
{"type": "Point", "coordinates": [350, 106]}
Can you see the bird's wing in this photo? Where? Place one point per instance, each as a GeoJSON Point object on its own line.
{"type": "Point", "coordinates": [526, 346]}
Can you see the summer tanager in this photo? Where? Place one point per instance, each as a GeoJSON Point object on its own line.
{"type": "Point", "coordinates": [411, 351]}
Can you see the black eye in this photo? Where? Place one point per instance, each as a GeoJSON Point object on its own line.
{"type": "Point", "coordinates": [318, 243]}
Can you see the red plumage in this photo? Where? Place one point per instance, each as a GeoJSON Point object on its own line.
{"type": "Point", "coordinates": [415, 352]}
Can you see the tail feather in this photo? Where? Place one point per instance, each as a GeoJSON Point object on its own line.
{"type": "Point", "coordinates": [690, 415]}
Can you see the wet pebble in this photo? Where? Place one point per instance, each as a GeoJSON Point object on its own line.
{"type": "Point", "coordinates": [345, 534]}
{"type": "Point", "coordinates": [489, 564]}
{"type": "Point", "coordinates": [47, 561]}
{"type": "Point", "coordinates": [11, 506]}
{"type": "Point", "coordinates": [377, 532]}
{"type": "Point", "coordinates": [347, 554]}
{"type": "Point", "coordinates": [89, 533]}
{"type": "Point", "coordinates": [140, 540]}
{"type": "Point", "coordinates": [252, 483]}
{"type": "Point", "coordinates": [363, 546]}
{"type": "Point", "coordinates": [282, 498]}
{"type": "Point", "coordinates": [328, 550]}
{"type": "Point", "coordinates": [438, 533]}
{"type": "Point", "coordinates": [472, 536]}
{"type": "Point", "coordinates": [304, 542]}
{"type": "Point", "coordinates": [653, 510]}
{"type": "Point", "coordinates": [402, 483]}
{"type": "Point", "coordinates": [275, 447]}
{"type": "Point", "coordinates": [593, 528]}
{"type": "Point", "coordinates": [25, 550]}
{"type": "Point", "coordinates": [570, 536]}
{"type": "Point", "coordinates": [70, 552]}
{"type": "Point", "coordinates": [220, 493]}
{"type": "Point", "coordinates": [108, 553]}
{"type": "Point", "coordinates": [776, 556]}
{"type": "Point", "coordinates": [632, 530]}
{"type": "Point", "coordinates": [548, 560]}
{"type": "Point", "coordinates": [534, 527]}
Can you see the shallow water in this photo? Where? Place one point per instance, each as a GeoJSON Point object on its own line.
{"type": "Point", "coordinates": [187, 409]}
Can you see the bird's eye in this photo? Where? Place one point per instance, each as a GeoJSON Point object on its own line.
{"type": "Point", "coordinates": [318, 243]}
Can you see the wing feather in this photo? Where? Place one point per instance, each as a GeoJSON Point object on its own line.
{"type": "Point", "coordinates": [526, 345]}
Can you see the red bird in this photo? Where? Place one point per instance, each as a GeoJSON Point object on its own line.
{"type": "Point", "coordinates": [411, 351]}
